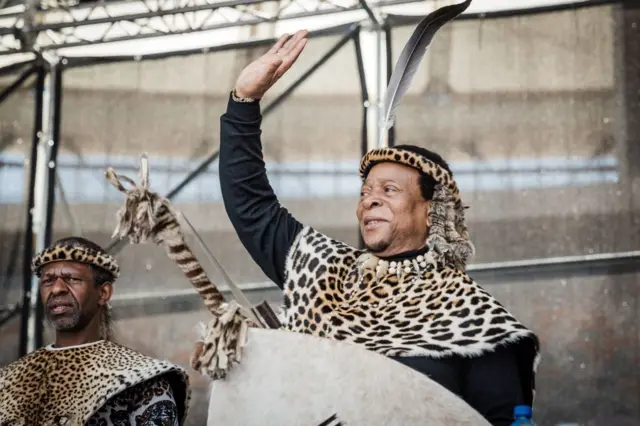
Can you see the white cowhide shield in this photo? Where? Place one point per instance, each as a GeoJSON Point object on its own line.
{"type": "Point", "coordinates": [293, 379]}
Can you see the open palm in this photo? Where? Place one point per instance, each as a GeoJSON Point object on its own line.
{"type": "Point", "coordinates": [257, 77]}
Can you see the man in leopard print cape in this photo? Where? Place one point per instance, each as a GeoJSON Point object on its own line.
{"type": "Point", "coordinates": [406, 295]}
{"type": "Point", "coordinates": [85, 377]}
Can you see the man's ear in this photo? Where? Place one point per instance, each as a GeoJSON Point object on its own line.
{"type": "Point", "coordinates": [428, 211]}
{"type": "Point", "coordinates": [106, 291]}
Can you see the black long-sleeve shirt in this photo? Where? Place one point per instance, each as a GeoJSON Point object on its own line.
{"type": "Point", "coordinates": [489, 383]}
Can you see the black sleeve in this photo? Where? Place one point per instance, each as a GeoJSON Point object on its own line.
{"type": "Point", "coordinates": [492, 385]}
{"type": "Point", "coordinates": [265, 228]}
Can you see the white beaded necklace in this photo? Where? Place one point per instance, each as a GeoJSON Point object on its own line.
{"type": "Point", "coordinates": [418, 265]}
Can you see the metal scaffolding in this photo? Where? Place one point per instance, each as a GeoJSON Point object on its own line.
{"type": "Point", "coordinates": [513, 273]}
{"type": "Point", "coordinates": [54, 25]}
{"type": "Point", "coordinates": [40, 206]}
{"type": "Point", "coordinates": [63, 26]}
{"type": "Point", "coordinates": [44, 31]}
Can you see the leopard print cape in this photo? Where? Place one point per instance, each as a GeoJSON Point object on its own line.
{"type": "Point", "coordinates": [67, 386]}
{"type": "Point", "coordinates": [434, 310]}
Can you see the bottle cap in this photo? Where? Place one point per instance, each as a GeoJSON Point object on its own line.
{"type": "Point", "coordinates": [522, 411]}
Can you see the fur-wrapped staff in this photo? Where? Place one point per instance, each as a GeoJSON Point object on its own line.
{"type": "Point", "coordinates": [146, 215]}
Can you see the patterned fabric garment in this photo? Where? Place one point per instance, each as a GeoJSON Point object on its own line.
{"type": "Point", "coordinates": [150, 403]}
{"type": "Point", "coordinates": [67, 386]}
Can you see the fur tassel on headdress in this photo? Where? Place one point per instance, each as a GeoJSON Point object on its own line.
{"type": "Point", "coordinates": [145, 215]}
{"type": "Point", "coordinates": [448, 236]}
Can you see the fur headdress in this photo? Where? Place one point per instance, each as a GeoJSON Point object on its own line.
{"type": "Point", "coordinates": [71, 250]}
{"type": "Point", "coordinates": [448, 235]}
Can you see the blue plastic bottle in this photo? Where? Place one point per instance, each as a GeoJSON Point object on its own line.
{"type": "Point", "coordinates": [522, 416]}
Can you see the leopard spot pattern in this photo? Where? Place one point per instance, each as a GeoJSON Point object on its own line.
{"type": "Point", "coordinates": [411, 159]}
{"type": "Point", "coordinates": [443, 312]}
{"type": "Point", "coordinates": [77, 254]}
{"type": "Point", "coordinates": [66, 387]}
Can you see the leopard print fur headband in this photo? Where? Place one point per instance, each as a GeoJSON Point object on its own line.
{"type": "Point", "coordinates": [80, 254]}
{"type": "Point", "coordinates": [448, 235]}
{"type": "Point", "coordinates": [413, 160]}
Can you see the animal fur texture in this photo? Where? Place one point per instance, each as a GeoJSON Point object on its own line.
{"type": "Point", "coordinates": [147, 216]}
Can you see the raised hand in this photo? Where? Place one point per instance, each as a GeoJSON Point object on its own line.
{"type": "Point", "coordinates": [257, 77]}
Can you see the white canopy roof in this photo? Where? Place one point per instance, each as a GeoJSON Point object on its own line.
{"type": "Point", "coordinates": [334, 12]}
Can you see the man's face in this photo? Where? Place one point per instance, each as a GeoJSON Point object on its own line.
{"type": "Point", "coordinates": [392, 213]}
{"type": "Point", "coordinates": [70, 297]}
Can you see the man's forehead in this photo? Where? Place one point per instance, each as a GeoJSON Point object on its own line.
{"type": "Point", "coordinates": [388, 171]}
{"type": "Point", "coordinates": [64, 265]}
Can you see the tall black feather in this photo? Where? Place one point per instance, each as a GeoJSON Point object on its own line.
{"type": "Point", "coordinates": [412, 55]}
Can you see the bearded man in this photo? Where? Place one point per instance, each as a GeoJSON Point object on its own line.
{"type": "Point", "coordinates": [407, 295]}
{"type": "Point", "coordinates": [84, 377]}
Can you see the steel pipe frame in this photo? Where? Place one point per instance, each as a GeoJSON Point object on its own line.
{"type": "Point", "coordinates": [128, 17]}
{"type": "Point", "coordinates": [364, 96]}
{"type": "Point", "coordinates": [402, 20]}
{"type": "Point", "coordinates": [16, 67]}
{"type": "Point", "coordinates": [391, 21]}
{"type": "Point", "coordinates": [394, 20]}
{"type": "Point", "coordinates": [17, 83]}
{"type": "Point", "coordinates": [370, 14]}
{"type": "Point", "coordinates": [28, 238]}
{"type": "Point", "coordinates": [29, 312]}
{"type": "Point", "coordinates": [364, 135]}
{"type": "Point", "coordinates": [36, 29]}
{"type": "Point", "coordinates": [557, 267]}
{"type": "Point", "coordinates": [33, 68]}
{"type": "Point", "coordinates": [511, 273]}
{"type": "Point", "coordinates": [11, 310]}
{"type": "Point", "coordinates": [56, 74]}
{"type": "Point", "coordinates": [352, 32]}
{"type": "Point", "coordinates": [290, 172]}
{"type": "Point", "coordinates": [131, 18]}
{"type": "Point", "coordinates": [391, 134]}
{"type": "Point", "coordinates": [241, 2]}
{"type": "Point", "coordinates": [75, 62]}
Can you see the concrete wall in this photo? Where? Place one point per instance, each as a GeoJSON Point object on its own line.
{"type": "Point", "coordinates": [495, 70]}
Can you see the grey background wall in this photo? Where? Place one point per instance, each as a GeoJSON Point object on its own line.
{"type": "Point", "coordinates": [538, 116]}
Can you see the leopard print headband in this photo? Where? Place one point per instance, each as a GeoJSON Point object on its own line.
{"type": "Point", "coordinates": [413, 160]}
{"type": "Point", "coordinates": [448, 234]}
{"type": "Point", "coordinates": [80, 254]}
